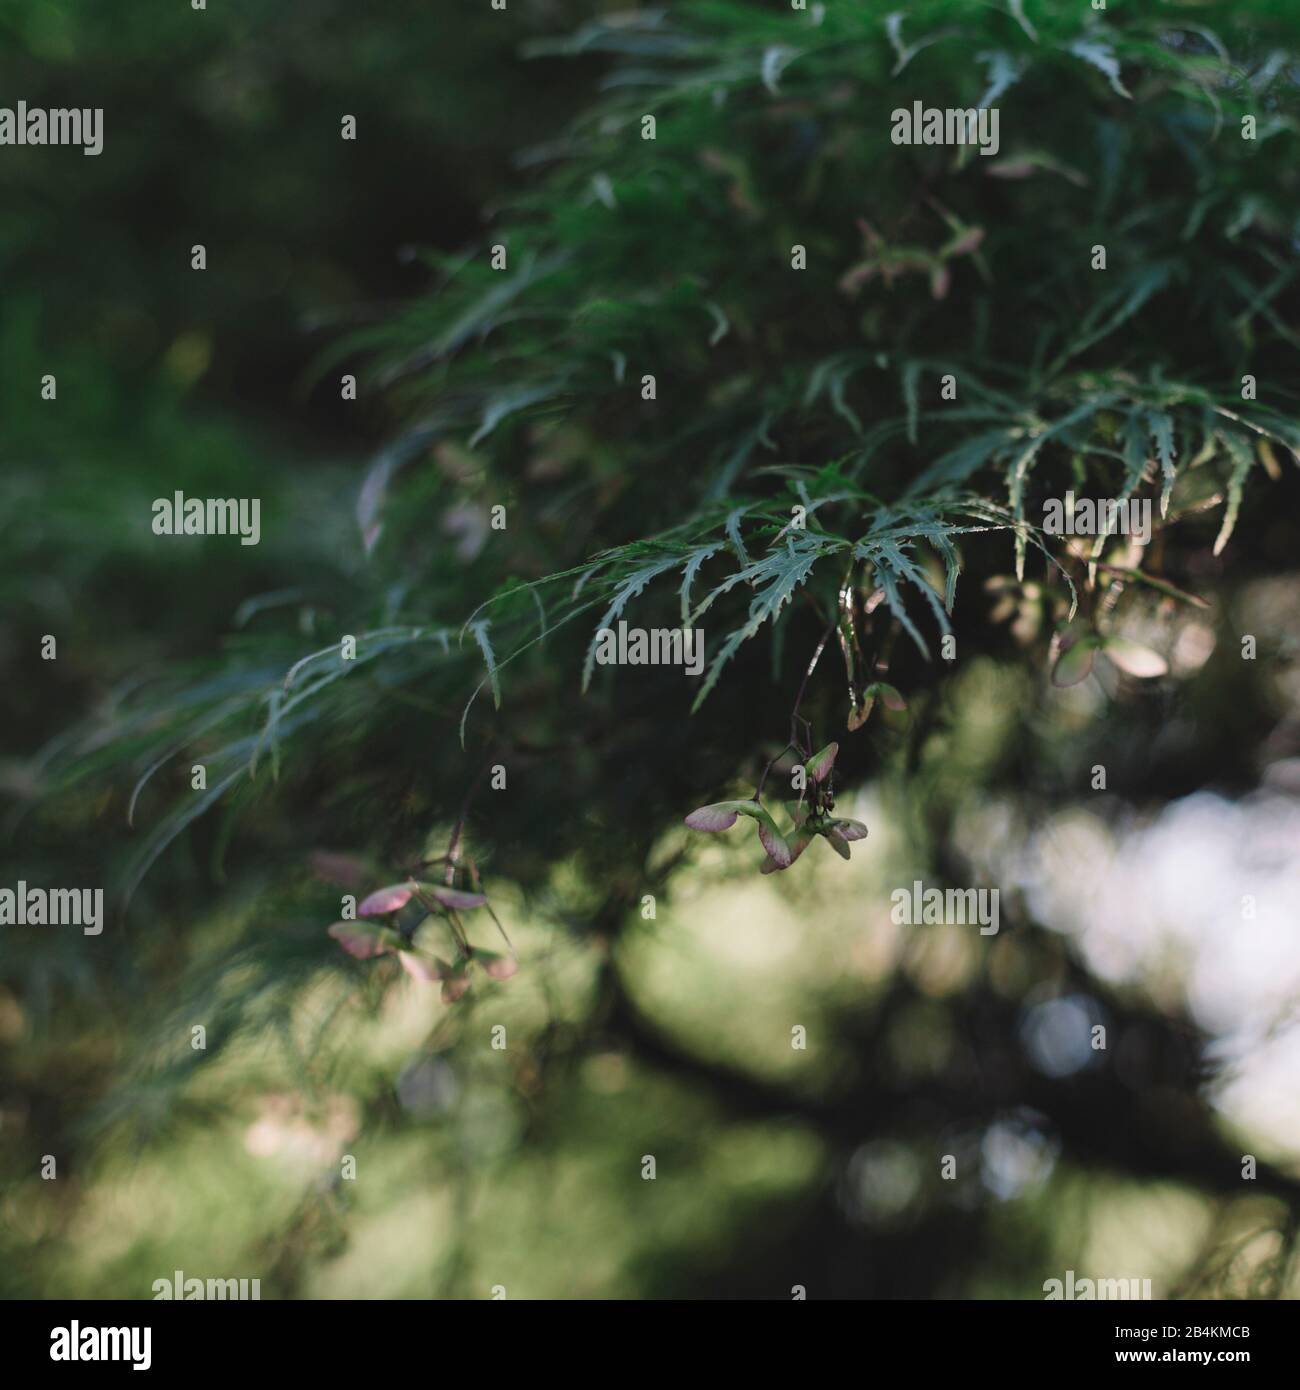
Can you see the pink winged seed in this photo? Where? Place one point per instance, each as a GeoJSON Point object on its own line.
{"type": "Point", "coordinates": [711, 818]}
{"type": "Point", "coordinates": [495, 965]}
{"type": "Point", "coordinates": [820, 765]}
{"type": "Point", "coordinates": [358, 940]}
{"type": "Point", "coordinates": [776, 847]}
{"type": "Point", "coordinates": [797, 847]}
{"type": "Point", "coordinates": [454, 987]}
{"type": "Point", "coordinates": [386, 900]}
{"type": "Point", "coordinates": [425, 968]}
{"type": "Point", "coordinates": [454, 897]}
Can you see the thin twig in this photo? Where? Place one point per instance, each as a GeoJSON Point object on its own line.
{"type": "Point", "coordinates": [798, 699]}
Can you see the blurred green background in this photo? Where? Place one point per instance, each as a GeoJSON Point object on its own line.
{"type": "Point", "coordinates": [627, 1036]}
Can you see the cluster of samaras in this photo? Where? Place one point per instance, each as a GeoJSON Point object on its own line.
{"type": "Point", "coordinates": [811, 819]}
{"type": "Point", "coordinates": [365, 939]}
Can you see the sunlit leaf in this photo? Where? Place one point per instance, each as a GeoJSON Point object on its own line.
{"type": "Point", "coordinates": [1017, 8]}
{"type": "Point", "coordinates": [1134, 659]}
{"type": "Point", "coordinates": [1243, 459]}
{"type": "Point", "coordinates": [480, 631]}
{"type": "Point", "coordinates": [1102, 57]}
{"type": "Point", "coordinates": [775, 61]}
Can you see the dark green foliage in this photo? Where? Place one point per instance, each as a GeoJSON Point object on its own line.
{"type": "Point", "coordinates": [819, 389]}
